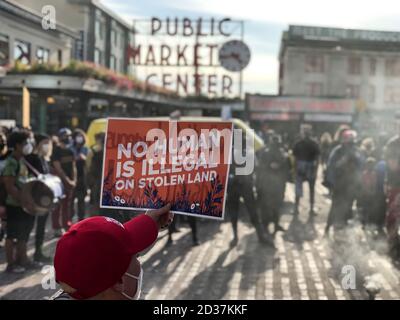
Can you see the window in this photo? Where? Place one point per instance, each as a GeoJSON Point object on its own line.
{"type": "Point", "coordinates": [314, 89]}
{"type": "Point", "coordinates": [315, 63]}
{"type": "Point", "coordinates": [392, 94]}
{"type": "Point", "coordinates": [371, 93]}
{"type": "Point", "coordinates": [353, 91]}
{"type": "Point", "coordinates": [372, 66]}
{"type": "Point", "coordinates": [121, 66]}
{"type": "Point", "coordinates": [392, 67]}
{"type": "Point", "coordinates": [22, 51]}
{"type": "Point", "coordinates": [113, 63]}
{"type": "Point", "coordinates": [42, 55]}
{"type": "Point", "coordinates": [99, 27]}
{"type": "Point", "coordinates": [114, 37]}
{"type": "Point", "coordinates": [4, 50]}
{"type": "Point", "coordinates": [59, 57]}
{"type": "Point", "coordinates": [98, 56]}
{"type": "Point", "coordinates": [354, 65]}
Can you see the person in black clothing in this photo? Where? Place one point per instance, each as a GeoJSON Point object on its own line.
{"type": "Point", "coordinates": [63, 161]}
{"type": "Point", "coordinates": [4, 153]}
{"type": "Point", "coordinates": [272, 173]}
{"type": "Point", "coordinates": [193, 225]}
{"type": "Point", "coordinates": [241, 186]}
{"type": "Point", "coordinates": [306, 152]}
{"type": "Point", "coordinates": [39, 160]}
{"type": "Point", "coordinates": [344, 176]}
{"type": "Point", "coordinates": [81, 153]}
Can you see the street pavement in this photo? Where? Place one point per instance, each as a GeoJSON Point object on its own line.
{"type": "Point", "coordinates": [304, 265]}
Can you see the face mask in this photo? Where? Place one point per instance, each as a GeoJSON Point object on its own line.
{"type": "Point", "coordinates": [79, 140]}
{"type": "Point", "coordinates": [46, 148]}
{"type": "Point", "coordinates": [138, 286]}
{"type": "Point", "coordinates": [27, 149]}
{"type": "Point", "coordinates": [66, 140]}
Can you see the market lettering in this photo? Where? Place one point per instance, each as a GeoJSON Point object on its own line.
{"type": "Point", "coordinates": [192, 64]}
{"type": "Point", "coordinates": [186, 27]}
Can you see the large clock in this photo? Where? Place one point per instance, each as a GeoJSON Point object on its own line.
{"type": "Point", "coordinates": [234, 55]}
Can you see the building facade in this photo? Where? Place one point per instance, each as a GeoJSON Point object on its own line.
{"type": "Point", "coordinates": [23, 39]}
{"type": "Point", "coordinates": [103, 35]}
{"type": "Point", "coordinates": [362, 65]}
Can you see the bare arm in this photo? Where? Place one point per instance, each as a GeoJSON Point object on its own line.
{"type": "Point", "coordinates": [74, 173]}
{"type": "Point", "coordinates": [11, 189]}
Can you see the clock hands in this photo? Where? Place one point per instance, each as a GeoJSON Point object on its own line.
{"type": "Point", "coordinates": [233, 55]}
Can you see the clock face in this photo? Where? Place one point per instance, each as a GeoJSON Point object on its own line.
{"type": "Point", "coordinates": [234, 55]}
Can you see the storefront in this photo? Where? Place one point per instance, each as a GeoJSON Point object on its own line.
{"type": "Point", "coordinates": [287, 114]}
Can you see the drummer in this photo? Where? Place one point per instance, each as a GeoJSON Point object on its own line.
{"type": "Point", "coordinates": [19, 222]}
{"type": "Point", "coordinates": [39, 159]}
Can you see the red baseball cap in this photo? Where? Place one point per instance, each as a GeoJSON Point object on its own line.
{"type": "Point", "coordinates": [95, 253]}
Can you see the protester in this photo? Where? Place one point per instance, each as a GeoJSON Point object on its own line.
{"type": "Point", "coordinates": [242, 186]}
{"type": "Point", "coordinates": [367, 201]}
{"type": "Point", "coordinates": [4, 153]}
{"type": "Point", "coordinates": [64, 165]}
{"type": "Point", "coordinates": [94, 165]}
{"type": "Point", "coordinates": [326, 147]}
{"type": "Point", "coordinates": [343, 173]}
{"type": "Point", "coordinates": [368, 149]}
{"type": "Point", "coordinates": [193, 226]}
{"type": "Point", "coordinates": [110, 270]}
{"type": "Point", "coordinates": [272, 172]}
{"type": "Point", "coordinates": [19, 222]}
{"type": "Point", "coordinates": [80, 152]}
{"type": "Point", "coordinates": [39, 162]}
{"type": "Point", "coordinates": [392, 157]}
{"type": "Point", "coordinates": [306, 152]}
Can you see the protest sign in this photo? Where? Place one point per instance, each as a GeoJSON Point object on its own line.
{"type": "Point", "coordinates": [148, 163]}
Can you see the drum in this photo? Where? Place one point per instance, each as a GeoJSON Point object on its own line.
{"type": "Point", "coordinates": [42, 194]}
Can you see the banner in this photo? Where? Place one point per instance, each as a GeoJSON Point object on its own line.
{"type": "Point", "coordinates": [149, 163]}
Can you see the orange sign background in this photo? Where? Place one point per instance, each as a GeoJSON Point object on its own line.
{"type": "Point", "coordinates": [130, 181]}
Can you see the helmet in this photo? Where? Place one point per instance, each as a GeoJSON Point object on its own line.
{"type": "Point", "coordinates": [64, 132]}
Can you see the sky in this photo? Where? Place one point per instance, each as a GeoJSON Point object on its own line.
{"type": "Point", "coordinates": [265, 21]}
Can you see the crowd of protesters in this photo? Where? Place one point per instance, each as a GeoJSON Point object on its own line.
{"type": "Point", "coordinates": [24, 155]}
{"type": "Point", "coordinates": [361, 173]}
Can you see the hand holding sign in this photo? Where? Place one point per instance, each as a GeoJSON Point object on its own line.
{"type": "Point", "coordinates": [163, 217]}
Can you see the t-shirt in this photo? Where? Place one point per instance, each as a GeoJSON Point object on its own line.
{"type": "Point", "coordinates": [15, 168]}
{"type": "Point", "coordinates": [80, 164]}
{"type": "Point", "coordinates": [39, 163]}
{"type": "Point", "coordinates": [66, 158]}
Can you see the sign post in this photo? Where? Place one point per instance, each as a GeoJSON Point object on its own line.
{"type": "Point", "coordinates": [26, 108]}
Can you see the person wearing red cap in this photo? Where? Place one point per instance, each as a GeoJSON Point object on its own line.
{"type": "Point", "coordinates": [96, 258]}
